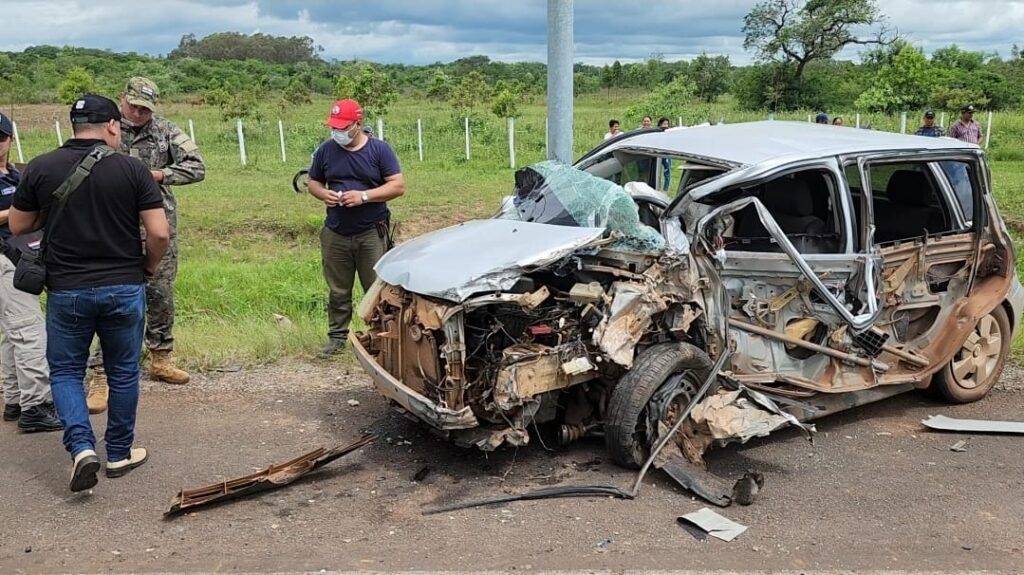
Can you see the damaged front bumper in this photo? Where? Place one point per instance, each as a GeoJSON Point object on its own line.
{"type": "Point", "coordinates": [408, 399]}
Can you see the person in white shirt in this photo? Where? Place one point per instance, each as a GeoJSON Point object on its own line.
{"type": "Point", "coordinates": [613, 129]}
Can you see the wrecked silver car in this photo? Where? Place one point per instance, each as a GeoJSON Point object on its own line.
{"type": "Point", "coordinates": [812, 268]}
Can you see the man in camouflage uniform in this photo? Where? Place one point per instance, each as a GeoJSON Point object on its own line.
{"type": "Point", "coordinates": [174, 160]}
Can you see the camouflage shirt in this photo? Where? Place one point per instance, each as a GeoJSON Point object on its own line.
{"type": "Point", "coordinates": [163, 146]}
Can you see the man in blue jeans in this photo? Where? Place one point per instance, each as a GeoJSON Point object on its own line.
{"type": "Point", "coordinates": [95, 278]}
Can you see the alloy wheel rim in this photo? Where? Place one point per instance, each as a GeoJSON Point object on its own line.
{"type": "Point", "coordinates": [977, 358]}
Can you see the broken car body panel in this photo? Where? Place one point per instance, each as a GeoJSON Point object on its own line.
{"type": "Point", "coordinates": [848, 265]}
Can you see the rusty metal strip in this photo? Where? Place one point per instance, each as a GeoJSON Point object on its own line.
{"type": "Point", "coordinates": [272, 477]}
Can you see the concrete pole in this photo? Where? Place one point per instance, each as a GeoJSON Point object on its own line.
{"type": "Point", "coordinates": [419, 137]}
{"type": "Point", "coordinates": [903, 122]}
{"type": "Point", "coordinates": [771, 117]}
{"type": "Point", "coordinates": [467, 136]}
{"type": "Point", "coordinates": [560, 57]}
{"type": "Point", "coordinates": [60, 137]}
{"type": "Point", "coordinates": [241, 142]}
{"type": "Point", "coordinates": [280, 132]}
{"type": "Point", "coordinates": [988, 129]}
{"type": "Point", "coordinates": [192, 131]}
{"type": "Point", "coordinates": [17, 142]}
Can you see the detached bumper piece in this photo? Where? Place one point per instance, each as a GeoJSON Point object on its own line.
{"type": "Point", "coordinates": [270, 478]}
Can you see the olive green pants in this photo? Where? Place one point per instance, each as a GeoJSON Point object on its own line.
{"type": "Point", "coordinates": [344, 257]}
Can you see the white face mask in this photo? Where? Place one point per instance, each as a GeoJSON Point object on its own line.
{"type": "Point", "coordinates": [341, 137]}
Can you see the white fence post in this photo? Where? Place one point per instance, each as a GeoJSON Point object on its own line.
{"type": "Point", "coordinates": [467, 136]}
{"type": "Point", "coordinates": [241, 142]}
{"type": "Point", "coordinates": [858, 119]}
{"type": "Point", "coordinates": [903, 122]}
{"type": "Point", "coordinates": [419, 136]}
{"type": "Point", "coordinates": [60, 137]}
{"type": "Point", "coordinates": [17, 142]}
{"type": "Point", "coordinates": [810, 118]}
{"type": "Point", "coordinates": [680, 120]}
{"type": "Point", "coordinates": [380, 128]}
{"type": "Point", "coordinates": [988, 129]}
{"type": "Point", "coordinates": [512, 143]}
{"type": "Point", "coordinates": [942, 120]}
{"type": "Point", "coordinates": [280, 131]}
{"type": "Point", "coordinates": [192, 131]}
{"type": "Point", "coordinates": [771, 117]}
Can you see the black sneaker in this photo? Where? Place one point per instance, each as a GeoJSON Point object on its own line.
{"type": "Point", "coordinates": [12, 411]}
{"type": "Point", "coordinates": [38, 418]}
{"type": "Point", "coordinates": [87, 465]}
{"type": "Point", "coordinates": [333, 347]}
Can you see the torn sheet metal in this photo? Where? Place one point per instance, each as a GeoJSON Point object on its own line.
{"type": "Point", "coordinates": [272, 477]}
{"type": "Point", "coordinates": [714, 524]}
{"type": "Point", "coordinates": [728, 415]}
{"type": "Point", "coordinates": [633, 305]}
{"type": "Point", "coordinates": [943, 423]}
{"type": "Point", "coordinates": [698, 481]}
{"type": "Point", "coordinates": [477, 256]}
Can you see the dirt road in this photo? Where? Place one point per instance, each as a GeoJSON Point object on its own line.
{"type": "Point", "coordinates": [875, 491]}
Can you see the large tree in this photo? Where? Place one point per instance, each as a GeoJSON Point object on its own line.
{"type": "Point", "coordinates": [797, 32]}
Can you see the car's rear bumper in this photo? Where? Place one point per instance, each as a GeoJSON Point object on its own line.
{"type": "Point", "coordinates": [408, 399]}
{"type": "Point", "coordinates": [1016, 299]}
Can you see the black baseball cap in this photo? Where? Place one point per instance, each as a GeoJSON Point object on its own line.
{"type": "Point", "coordinates": [929, 114]}
{"type": "Point", "coordinates": [94, 109]}
{"type": "Point", "coordinates": [6, 126]}
{"type": "Point", "coordinates": [967, 108]}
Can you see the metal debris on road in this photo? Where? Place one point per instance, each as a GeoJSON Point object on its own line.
{"type": "Point", "coordinates": [713, 524]}
{"type": "Point", "coordinates": [272, 477]}
{"type": "Point", "coordinates": [353, 402]}
{"type": "Point", "coordinates": [943, 423]}
{"type": "Point", "coordinates": [959, 446]}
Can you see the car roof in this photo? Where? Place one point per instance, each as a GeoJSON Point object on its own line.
{"type": "Point", "coordinates": [751, 143]}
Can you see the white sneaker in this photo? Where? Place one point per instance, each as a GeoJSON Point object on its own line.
{"type": "Point", "coordinates": [86, 466]}
{"type": "Point", "coordinates": [137, 457]}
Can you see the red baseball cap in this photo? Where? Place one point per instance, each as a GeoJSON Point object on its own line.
{"type": "Point", "coordinates": [343, 113]}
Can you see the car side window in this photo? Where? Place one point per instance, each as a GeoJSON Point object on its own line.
{"type": "Point", "coordinates": [907, 202]}
{"type": "Point", "coordinates": [803, 204]}
{"type": "Point", "coordinates": [959, 175]}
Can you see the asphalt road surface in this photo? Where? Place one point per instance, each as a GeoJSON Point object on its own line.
{"type": "Point", "coordinates": [874, 492]}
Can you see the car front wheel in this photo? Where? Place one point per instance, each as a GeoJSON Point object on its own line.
{"type": "Point", "coordinates": [979, 362]}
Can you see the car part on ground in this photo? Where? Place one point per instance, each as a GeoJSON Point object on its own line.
{"type": "Point", "coordinates": [943, 423]}
{"type": "Point", "coordinates": [272, 477]}
{"type": "Point", "coordinates": [713, 524]}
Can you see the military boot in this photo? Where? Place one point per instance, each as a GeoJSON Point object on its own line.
{"type": "Point", "coordinates": [98, 391]}
{"type": "Point", "coordinates": [161, 367]}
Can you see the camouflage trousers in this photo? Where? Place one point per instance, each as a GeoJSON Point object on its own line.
{"type": "Point", "coordinates": [159, 298]}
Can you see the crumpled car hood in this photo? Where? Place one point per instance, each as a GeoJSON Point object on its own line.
{"type": "Point", "coordinates": [478, 256]}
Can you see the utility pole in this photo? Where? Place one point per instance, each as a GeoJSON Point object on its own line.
{"type": "Point", "coordinates": [560, 76]}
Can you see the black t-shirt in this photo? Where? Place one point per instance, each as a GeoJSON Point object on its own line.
{"type": "Point", "coordinates": [8, 183]}
{"type": "Point", "coordinates": [342, 170]}
{"type": "Point", "coordinates": [97, 241]}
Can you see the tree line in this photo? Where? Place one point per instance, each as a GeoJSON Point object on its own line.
{"type": "Point", "coordinates": [795, 43]}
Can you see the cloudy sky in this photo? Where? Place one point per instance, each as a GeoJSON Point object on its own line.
{"type": "Point", "coordinates": [424, 31]}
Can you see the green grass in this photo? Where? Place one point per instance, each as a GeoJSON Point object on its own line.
{"type": "Point", "coordinates": [250, 246]}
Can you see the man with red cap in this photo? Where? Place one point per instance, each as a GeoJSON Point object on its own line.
{"type": "Point", "coordinates": [354, 175]}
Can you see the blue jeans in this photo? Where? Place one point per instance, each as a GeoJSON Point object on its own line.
{"type": "Point", "coordinates": [117, 315]}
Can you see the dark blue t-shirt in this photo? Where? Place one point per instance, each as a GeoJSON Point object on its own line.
{"type": "Point", "coordinates": [364, 169]}
{"type": "Point", "coordinates": [8, 184]}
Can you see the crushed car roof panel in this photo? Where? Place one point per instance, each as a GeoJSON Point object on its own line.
{"type": "Point", "coordinates": [752, 143]}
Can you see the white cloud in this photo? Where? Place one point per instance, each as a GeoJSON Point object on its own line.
{"type": "Point", "coordinates": [423, 31]}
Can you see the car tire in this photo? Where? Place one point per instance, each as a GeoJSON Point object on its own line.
{"type": "Point", "coordinates": [979, 362]}
{"type": "Point", "coordinates": [624, 428]}
{"type": "Point", "coordinates": [300, 182]}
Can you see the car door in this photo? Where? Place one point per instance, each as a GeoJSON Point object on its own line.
{"type": "Point", "coordinates": [780, 321]}
{"type": "Point", "coordinates": [921, 213]}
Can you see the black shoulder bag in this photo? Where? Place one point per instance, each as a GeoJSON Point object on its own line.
{"type": "Point", "coordinates": [30, 269]}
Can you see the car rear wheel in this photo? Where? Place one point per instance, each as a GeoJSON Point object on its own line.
{"type": "Point", "coordinates": [979, 362]}
{"type": "Point", "coordinates": [661, 382]}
